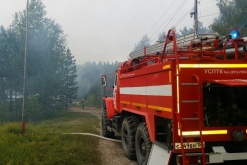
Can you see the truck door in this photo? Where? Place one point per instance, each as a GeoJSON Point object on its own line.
{"type": "Point", "coordinates": [115, 93]}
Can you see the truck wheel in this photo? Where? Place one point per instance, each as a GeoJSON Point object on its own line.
{"type": "Point", "coordinates": [142, 144]}
{"type": "Point", "coordinates": [104, 124]}
{"type": "Point", "coordinates": [128, 136]}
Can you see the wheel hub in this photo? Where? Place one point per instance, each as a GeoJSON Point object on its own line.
{"type": "Point", "coordinates": [142, 147]}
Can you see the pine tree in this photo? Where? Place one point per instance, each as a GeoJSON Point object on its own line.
{"type": "Point", "coordinates": [144, 42]}
{"type": "Point", "coordinates": [232, 15]}
{"type": "Point", "coordinates": [70, 86]}
{"type": "Point", "coordinates": [51, 70]}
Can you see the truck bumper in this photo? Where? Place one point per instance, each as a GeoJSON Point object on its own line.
{"type": "Point", "coordinates": [220, 155]}
{"type": "Point", "coordinates": [160, 156]}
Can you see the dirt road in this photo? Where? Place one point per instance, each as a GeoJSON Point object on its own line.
{"type": "Point", "coordinates": [111, 152]}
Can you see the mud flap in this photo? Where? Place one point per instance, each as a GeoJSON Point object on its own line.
{"type": "Point", "coordinates": [158, 155]}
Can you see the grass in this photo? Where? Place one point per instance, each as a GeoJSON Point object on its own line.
{"type": "Point", "coordinates": [44, 144]}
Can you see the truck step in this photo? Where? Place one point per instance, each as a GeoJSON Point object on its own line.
{"type": "Point", "coordinates": [189, 84]}
{"type": "Point", "coordinates": [190, 118]}
{"type": "Point", "coordinates": [190, 101]}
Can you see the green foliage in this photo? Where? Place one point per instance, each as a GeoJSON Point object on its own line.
{"type": "Point", "coordinates": [5, 114]}
{"type": "Point", "coordinates": [44, 143]}
{"type": "Point", "coordinates": [162, 36]}
{"type": "Point", "coordinates": [201, 29]}
{"type": "Point", "coordinates": [51, 70]}
{"type": "Point", "coordinates": [95, 94]}
{"type": "Point", "coordinates": [33, 108]}
{"type": "Point", "coordinates": [89, 81]}
{"type": "Point", "coordinates": [232, 15]}
{"type": "Point", "coordinates": [69, 88]}
{"type": "Point", "coordinates": [144, 42]}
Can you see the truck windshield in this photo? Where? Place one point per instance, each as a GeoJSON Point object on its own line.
{"type": "Point", "coordinates": [224, 105]}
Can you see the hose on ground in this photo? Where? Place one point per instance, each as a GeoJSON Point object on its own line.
{"type": "Point", "coordinates": [98, 136]}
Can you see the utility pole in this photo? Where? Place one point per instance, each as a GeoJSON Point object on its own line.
{"type": "Point", "coordinates": [195, 17]}
{"type": "Point", "coordinates": [195, 14]}
{"type": "Point", "coordinates": [24, 74]}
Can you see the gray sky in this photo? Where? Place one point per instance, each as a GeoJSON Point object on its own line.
{"type": "Point", "coordinates": [107, 30]}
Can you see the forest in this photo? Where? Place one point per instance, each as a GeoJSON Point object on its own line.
{"type": "Point", "coordinates": [51, 70]}
{"type": "Point", "coordinates": [54, 80]}
{"type": "Point", "coordinates": [89, 81]}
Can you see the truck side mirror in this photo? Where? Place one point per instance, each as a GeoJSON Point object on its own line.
{"type": "Point", "coordinates": [104, 80]}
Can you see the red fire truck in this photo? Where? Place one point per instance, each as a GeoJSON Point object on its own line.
{"type": "Point", "coordinates": [183, 101]}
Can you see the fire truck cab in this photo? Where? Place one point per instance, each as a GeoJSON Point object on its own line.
{"type": "Point", "coordinates": [183, 101]}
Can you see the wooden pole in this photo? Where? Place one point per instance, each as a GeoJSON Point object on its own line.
{"type": "Point", "coordinates": [23, 127]}
{"type": "Point", "coordinates": [195, 17]}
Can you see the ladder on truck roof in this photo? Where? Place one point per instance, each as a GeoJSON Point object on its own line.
{"type": "Point", "coordinates": [182, 42]}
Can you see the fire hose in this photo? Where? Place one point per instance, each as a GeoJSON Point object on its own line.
{"type": "Point", "coordinates": [94, 135]}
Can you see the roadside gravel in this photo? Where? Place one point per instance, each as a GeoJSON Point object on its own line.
{"type": "Point", "coordinates": [111, 152]}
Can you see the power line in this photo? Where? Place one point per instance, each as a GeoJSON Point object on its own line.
{"type": "Point", "coordinates": [161, 16]}
{"type": "Point", "coordinates": [174, 14]}
{"type": "Point", "coordinates": [183, 17]}
{"type": "Point", "coordinates": [208, 15]}
{"type": "Point", "coordinates": [152, 38]}
{"type": "Point", "coordinates": [206, 2]}
{"type": "Point", "coordinates": [219, 13]}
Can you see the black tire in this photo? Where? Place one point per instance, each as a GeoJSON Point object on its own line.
{"type": "Point", "coordinates": [129, 126]}
{"type": "Point", "coordinates": [104, 123]}
{"type": "Point", "coordinates": [142, 144]}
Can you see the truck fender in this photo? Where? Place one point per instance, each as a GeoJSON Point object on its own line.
{"type": "Point", "coordinates": [150, 126]}
{"type": "Point", "coordinates": [109, 107]}
{"type": "Point", "coordinates": [149, 119]}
